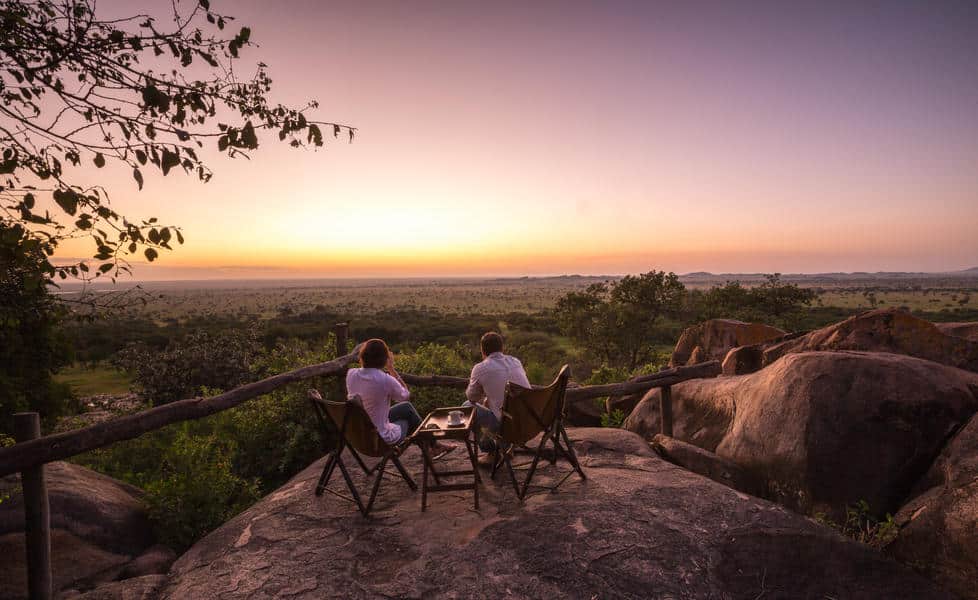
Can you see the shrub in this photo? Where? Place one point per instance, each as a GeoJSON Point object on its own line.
{"type": "Point", "coordinates": [197, 490]}
{"type": "Point", "coordinates": [223, 360]}
{"type": "Point", "coordinates": [862, 525]}
{"type": "Point", "coordinates": [435, 359]}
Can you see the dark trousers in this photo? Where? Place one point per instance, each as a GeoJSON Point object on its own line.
{"type": "Point", "coordinates": [404, 416]}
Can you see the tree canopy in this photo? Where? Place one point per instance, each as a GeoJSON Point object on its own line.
{"type": "Point", "coordinates": [618, 320]}
{"type": "Point", "coordinates": [78, 90]}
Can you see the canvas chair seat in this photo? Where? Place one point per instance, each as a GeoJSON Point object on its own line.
{"type": "Point", "coordinates": [528, 413]}
{"type": "Point", "coordinates": [349, 423]}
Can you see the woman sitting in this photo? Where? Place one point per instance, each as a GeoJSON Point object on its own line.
{"type": "Point", "coordinates": [378, 390]}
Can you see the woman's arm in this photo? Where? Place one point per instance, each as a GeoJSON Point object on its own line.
{"type": "Point", "coordinates": [404, 392]}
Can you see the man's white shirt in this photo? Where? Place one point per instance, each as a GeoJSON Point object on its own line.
{"type": "Point", "coordinates": [487, 384]}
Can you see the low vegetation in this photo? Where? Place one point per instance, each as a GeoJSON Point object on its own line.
{"type": "Point", "coordinates": [189, 343]}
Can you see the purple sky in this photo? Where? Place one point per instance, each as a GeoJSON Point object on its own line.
{"type": "Point", "coordinates": [514, 138]}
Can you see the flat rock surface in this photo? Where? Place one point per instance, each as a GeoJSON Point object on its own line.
{"type": "Point", "coordinates": [639, 527]}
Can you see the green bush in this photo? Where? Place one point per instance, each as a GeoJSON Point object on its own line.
{"type": "Point", "coordinates": [199, 474]}
{"type": "Point", "coordinates": [186, 471]}
{"type": "Point", "coordinates": [197, 490]}
{"type": "Point", "coordinates": [223, 360]}
{"type": "Point", "coordinates": [862, 525]}
{"type": "Point", "coordinates": [434, 359]}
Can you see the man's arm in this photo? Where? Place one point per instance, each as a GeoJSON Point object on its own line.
{"type": "Point", "coordinates": [474, 392]}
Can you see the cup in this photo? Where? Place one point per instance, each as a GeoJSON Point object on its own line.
{"type": "Point", "coordinates": [455, 417]}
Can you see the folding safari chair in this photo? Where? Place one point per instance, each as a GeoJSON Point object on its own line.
{"type": "Point", "coordinates": [528, 413]}
{"type": "Point", "coordinates": [349, 424]}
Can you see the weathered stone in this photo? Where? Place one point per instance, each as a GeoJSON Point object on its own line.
{"type": "Point", "coordinates": [97, 525]}
{"type": "Point", "coordinates": [824, 429]}
{"type": "Point", "coordinates": [705, 463]}
{"type": "Point", "coordinates": [968, 331]}
{"type": "Point", "coordinates": [702, 411]}
{"type": "Point", "coordinates": [97, 508]}
{"type": "Point", "coordinates": [585, 413]}
{"type": "Point", "coordinates": [884, 330]}
{"type": "Point", "coordinates": [743, 359]}
{"type": "Point", "coordinates": [716, 337]}
{"type": "Point", "coordinates": [939, 528]}
{"type": "Point", "coordinates": [137, 588]}
{"type": "Point", "coordinates": [639, 527]}
{"type": "Point", "coordinates": [155, 560]}
{"type": "Point", "coordinates": [75, 563]}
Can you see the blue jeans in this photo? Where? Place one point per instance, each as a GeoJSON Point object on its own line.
{"type": "Point", "coordinates": [486, 426]}
{"type": "Point", "coordinates": [404, 416]}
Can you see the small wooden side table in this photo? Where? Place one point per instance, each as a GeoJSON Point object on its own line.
{"type": "Point", "coordinates": [436, 428]}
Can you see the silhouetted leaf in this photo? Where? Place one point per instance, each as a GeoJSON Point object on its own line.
{"type": "Point", "coordinates": [151, 254]}
{"type": "Point", "coordinates": [169, 160]}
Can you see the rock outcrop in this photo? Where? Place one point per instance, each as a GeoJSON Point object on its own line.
{"type": "Point", "coordinates": [968, 331]}
{"type": "Point", "coordinates": [705, 463]}
{"type": "Point", "coordinates": [939, 528]}
{"type": "Point", "coordinates": [824, 429]}
{"type": "Point", "coordinates": [639, 527]}
{"type": "Point", "coordinates": [884, 330]}
{"type": "Point", "coordinates": [99, 525]}
{"type": "Point", "coordinates": [711, 340]}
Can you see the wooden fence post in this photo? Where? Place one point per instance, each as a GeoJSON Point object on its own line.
{"type": "Point", "coordinates": [342, 331]}
{"type": "Point", "coordinates": [665, 409]}
{"type": "Point", "coordinates": [37, 513]}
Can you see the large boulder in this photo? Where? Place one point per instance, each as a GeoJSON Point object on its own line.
{"type": "Point", "coordinates": [824, 429]}
{"type": "Point", "coordinates": [705, 463]}
{"type": "Point", "coordinates": [884, 330]}
{"type": "Point", "coordinates": [939, 528]}
{"type": "Point", "coordinates": [98, 526]}
{"type": "Point", "coordinates": [968, 331]}
{"type": "Point", "coordinates": [639, 527]}
{"type": "Point", "coordinates": [711, 340]}
{"type": "Point", "coordinates": [702, 410]}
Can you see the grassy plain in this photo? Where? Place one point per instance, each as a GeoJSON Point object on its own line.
{"type": "Point", "coordinates": [87, 380]}
{"type": "Point", "coordinates": [447, 311]}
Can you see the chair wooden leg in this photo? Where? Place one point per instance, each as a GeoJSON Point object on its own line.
{"type": "Point", "coordinates": [363, 465]}
{"type": "Point", "coordinates": [533, 465]}
{"type": "Point", "coordinates": [349, 484]}
{"type": "Point", "coordinates": [496, 461]}
{"type": "Point", "coordinates": [555, 439]}
{"type": "Point", "coordinates": [373, 493]}
{"type": "Point", "coordinates": [508, 459]}
{"type": "Point", "coordinates": [326, 474]}
{"type": "Point", "coordinates": [472, 449]}
{"type": "Point", "coordinates": [404, 473]}
{"type": "Point", "coordinates": [430, 464]}
{"type": "Point", "coordinates": [424, 475]}
{"type": "Point", "coordinates": [571, 455]}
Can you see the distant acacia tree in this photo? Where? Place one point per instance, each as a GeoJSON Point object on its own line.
{"type": "Point", "coordinates": [78, 90]}
{"type": "Point", "coordinates": [618, 321]}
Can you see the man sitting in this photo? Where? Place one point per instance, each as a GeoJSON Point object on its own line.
{"type": "Point", "coordinates": [487, 389]}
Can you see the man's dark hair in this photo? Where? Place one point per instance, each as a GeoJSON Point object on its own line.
{"type": "Point", "coordinates": [491, 342]}
{"type": "Point", "coordinates": [373, 354]}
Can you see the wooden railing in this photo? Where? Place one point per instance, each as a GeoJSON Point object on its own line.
{"type": "Point", "coordinates": [32, 451]}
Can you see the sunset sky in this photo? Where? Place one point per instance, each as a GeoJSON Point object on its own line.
{"type": "Point", "coordinates": [512, 138]}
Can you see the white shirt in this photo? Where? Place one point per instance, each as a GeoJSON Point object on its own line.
{"type": "Point", "coordinates": [489, 378]}
{"type": "Point", "coordinates": [377, 390]}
